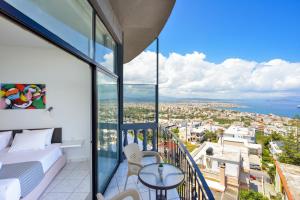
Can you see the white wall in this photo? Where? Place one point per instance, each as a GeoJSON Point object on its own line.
{"type": "Point", "coordinates": [68, 90]}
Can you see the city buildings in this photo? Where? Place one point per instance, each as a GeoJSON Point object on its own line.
{"type": "Point", "coordinates": [213, 158]}
{"type": "Point", "coordinates": [241, 133]}
{"type": "Point", "coordinates": [255, 149]}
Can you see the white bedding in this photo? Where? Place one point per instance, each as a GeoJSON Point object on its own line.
{"type": "Point", "coordinates": [10, 188]}
{"type": "Point", "coordinates": [47, 157]}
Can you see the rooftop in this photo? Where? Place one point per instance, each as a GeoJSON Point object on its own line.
{"type": "Point", "coordinates": [238, 130]}
{"type": "Point", "coordinates": [229, 153]}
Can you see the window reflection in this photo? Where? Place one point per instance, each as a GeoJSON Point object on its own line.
{"type": "Point", "coordinates": [71, 20]}
{"type": "Point", "coordinates": [139, 103]}
{"type": "Point", "coordinates": [105, 46]}
{"type": "Point", "coordinates": [107, 128]}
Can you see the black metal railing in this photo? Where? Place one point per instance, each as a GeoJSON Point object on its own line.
{"type": "Point", "coordinates": [174, 151]}
{"type": "Point", "coordinates": [141, 133]}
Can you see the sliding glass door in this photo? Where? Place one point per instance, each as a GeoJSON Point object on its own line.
{"type": "Point", "coordinates": [107, 131]}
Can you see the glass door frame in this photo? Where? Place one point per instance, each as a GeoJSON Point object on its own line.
{"type": "Point", "coordinates": [95, 121]}
{"type": "Point", "coordinates": [11, 13]}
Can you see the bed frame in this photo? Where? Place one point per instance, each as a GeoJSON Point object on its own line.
{"type": "Point", "coordinates": [37, 192]}
{"type": "Point", "coordinates": [52, 171]}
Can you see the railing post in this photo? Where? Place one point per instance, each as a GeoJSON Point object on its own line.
{"type": "Point", "coordinates": [135, 140]}
{"type": "Point", "coordinates": [194, 186]}
{"type": "Point", "coordinates": [154, 140]}
{"type": "Point", "coordinates": [125, 143]}
{"type": "Point", "coordinates": [144, 140]}
{"type": "Point", "coordinates": [194, 193]}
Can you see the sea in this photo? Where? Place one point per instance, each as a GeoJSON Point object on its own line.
{"type": "Point", "coordinates": [281, 107]}
{"type": "Point", "coordinates": [286, 107]}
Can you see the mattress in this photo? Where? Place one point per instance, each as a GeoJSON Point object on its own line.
{"type": "Point", "coordinates": [10, 189]}
{"type": "Point", "coordinates": [29, 174]}
{"type": "Point", "coordinates": [47, 157]}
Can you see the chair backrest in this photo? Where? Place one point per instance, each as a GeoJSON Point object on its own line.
{"type": "Point", "coordinates": [133, 153]}
{"type": "Point", "coordinates": [133, 193]}
{"type": "Point", "coordinates": [100, 196]}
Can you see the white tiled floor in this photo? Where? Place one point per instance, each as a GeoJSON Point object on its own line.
{"type": "Point", "coordinates": [118, 182]}
{"type": "Point", "coordinates": [72, 183]}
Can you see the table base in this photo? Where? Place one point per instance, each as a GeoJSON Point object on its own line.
{"type": "Point", "coordinates": [161, 194]}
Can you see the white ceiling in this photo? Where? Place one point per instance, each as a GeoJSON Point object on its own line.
{"type": "Point", "coordinates": [14, 35]}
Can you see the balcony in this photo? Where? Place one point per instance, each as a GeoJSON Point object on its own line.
{"type": "Point", "coordinates": [172, 151]}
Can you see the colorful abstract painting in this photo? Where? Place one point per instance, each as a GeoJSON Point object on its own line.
{"type": "Point", "coordinates": [22, 96]}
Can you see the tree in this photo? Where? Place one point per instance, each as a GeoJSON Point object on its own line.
{"type": "Point", "coordinates": [251, 195]}
{"type": "Point", "coordinates": [176, 131]}
{"type": "Point", "coordinates": [211, 136]}
{"type": "Point", "coordinates": [297, 123]}
{"type": "Point", "coordinates": [272, 172]}
{"type": "Point", "coordinates": [290, 154]}
{"type": "Point", "coordinates": [277, 197]}
{"type": "Point", "coordinates": [276, 136]}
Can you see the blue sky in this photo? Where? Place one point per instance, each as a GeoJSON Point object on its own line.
{"type": "Point", "coordinates": [257, 30]}
{"type": "Point", "coordinates": [226, 49]}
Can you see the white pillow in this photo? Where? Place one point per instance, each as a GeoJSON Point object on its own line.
{"type": "Point", "coordinates": [5, 138]}
{"type": "Point", "coordinates": [48, 132]}
{"type": "Point", "coordinates": [28, 141]}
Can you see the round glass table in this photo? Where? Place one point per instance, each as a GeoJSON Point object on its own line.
{"type": "Point", "coordinates": [171, 177]}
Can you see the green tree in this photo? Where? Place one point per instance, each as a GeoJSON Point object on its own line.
{"type": "Point", "coordinates": [290, 154]}
{"type": "Point", "coordinates": [211, 136]}
{"type": "Point", "coordinates": [176, 131]}
{"type": "Point", "coordinates": [276, 136]}
{"type": "Point", "coordinates": [251, 195]}
{"type": "Point", "coordinates": [277, 197]}
{"type": "Point", "coordinates": [272, 172]}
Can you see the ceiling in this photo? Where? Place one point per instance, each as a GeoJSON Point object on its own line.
{"type": "Point", "coordinates": [142, 21]}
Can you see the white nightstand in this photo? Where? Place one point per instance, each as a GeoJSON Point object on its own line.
{"type": "Point", "coordinates": [71, 144]}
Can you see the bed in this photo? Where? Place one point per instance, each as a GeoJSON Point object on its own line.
{"type": "Point", "coordinates": [36, 168]}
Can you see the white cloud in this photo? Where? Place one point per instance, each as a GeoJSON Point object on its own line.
{"type": "Point", "coordinates": [190, 75]}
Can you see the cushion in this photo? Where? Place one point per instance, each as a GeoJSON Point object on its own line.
{"type": "Point", "coordinates": [28, 141]}
{"type": "Point", "coordinates": [48, 132]}
{"type": "Point", "coordinates": [5, 138]}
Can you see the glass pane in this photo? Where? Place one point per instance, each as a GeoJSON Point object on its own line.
{"type": "Point", "coordinates": [107, 133]}
{"type": "Point", "coordinates": [105, 46]}
{"type": "Point", "coordinates": [142, 69]}
{"type": "Point", "coordinates": [139, 103]}
{"type": "Point", "coordinates": [71, 20]}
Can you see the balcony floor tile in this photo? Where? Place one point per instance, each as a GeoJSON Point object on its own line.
{"type": "Point", "coordinates": [118, 182]}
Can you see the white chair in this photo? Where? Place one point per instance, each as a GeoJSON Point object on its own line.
{"type": "Point", "coordinates": [128, 193]}
{"type": "Point", "coordinates": [134, 158]}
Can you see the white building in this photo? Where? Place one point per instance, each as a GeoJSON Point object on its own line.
{"type": "Point", "coordinates": [210, 156]}
{"type": "Point", "coordinates": [275, 147]}
{"type": "Point", "coordinates": [255, 149]}
{"type": "Point", "coordinates": [239, 132]}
